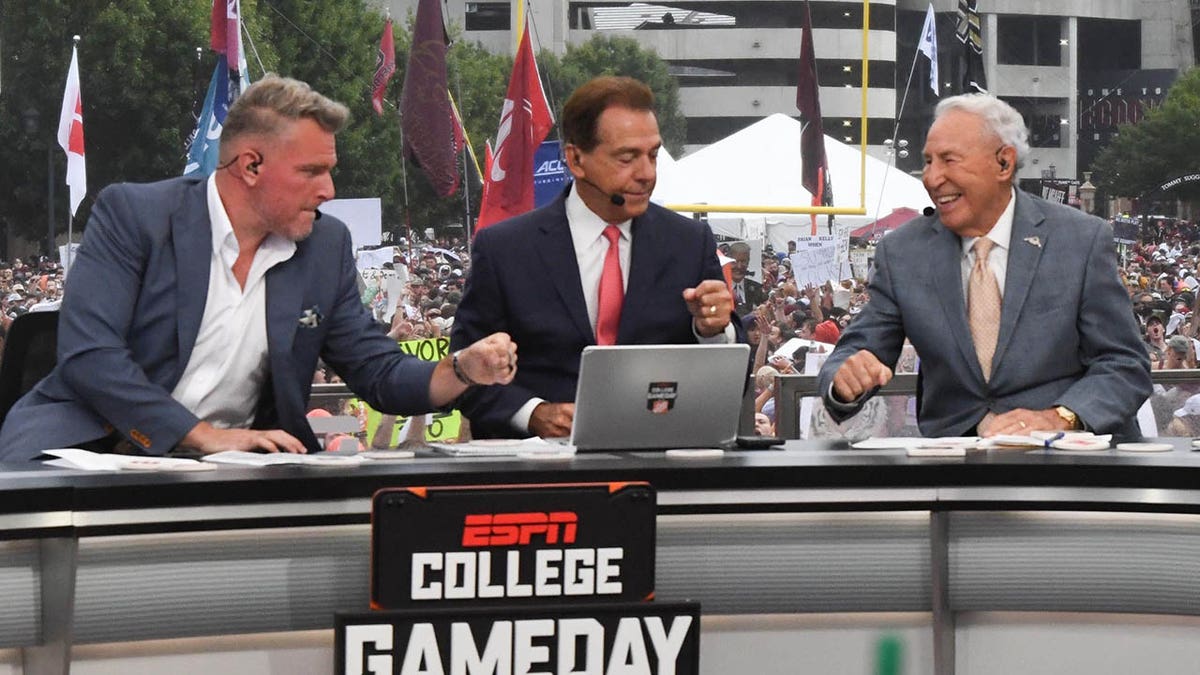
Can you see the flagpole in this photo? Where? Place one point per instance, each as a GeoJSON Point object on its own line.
{"type": "Point", "coordinates": [896, 128]}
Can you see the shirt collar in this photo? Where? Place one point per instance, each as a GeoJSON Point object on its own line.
{"type": "Point", "coordinates": [224, 242]}
{"type": "Point", "coordinates": [1001, 232]}
{"type": "Point", "coordinates": [585, 223]}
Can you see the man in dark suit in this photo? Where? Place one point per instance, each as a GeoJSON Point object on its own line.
{"type": "Point", "coordinates": [747, 293]}
{"type": "Point", "coordinates": [1013, 304]}
{"type": "Point", "coordinates": [196, 309]}
{"type": "Point", "coordinates": [541, 277]}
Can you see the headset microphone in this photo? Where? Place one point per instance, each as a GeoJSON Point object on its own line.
{"type": "Point", "coordinates": [927, 211]}
{"type": "Point", "coordinates": [615, 198]}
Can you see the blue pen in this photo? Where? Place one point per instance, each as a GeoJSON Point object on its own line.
{"type": "Point", "coordinates": [1055, 437]}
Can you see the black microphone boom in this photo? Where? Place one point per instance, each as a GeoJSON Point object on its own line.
{"type": "Point", "coordinates": [615, 198]}
{"type": "Point", "coordinates": [927, 211]}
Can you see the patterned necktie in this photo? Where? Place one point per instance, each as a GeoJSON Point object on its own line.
{"type": "Point", "coordinates": [983, 306]}
{"type": "Point", "coordinates": [612, 291]}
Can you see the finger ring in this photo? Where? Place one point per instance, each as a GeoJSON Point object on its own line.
{"type": "Point", "coordinates": [1022, 424]}
{"type": "Point", "coordinates": [712, 309]}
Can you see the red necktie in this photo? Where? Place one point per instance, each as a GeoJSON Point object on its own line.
{"type": "Point", "coordinates": [612, 291]}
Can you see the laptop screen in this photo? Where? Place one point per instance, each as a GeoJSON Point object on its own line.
{"type": "Point", "coordinates": [659, 396]}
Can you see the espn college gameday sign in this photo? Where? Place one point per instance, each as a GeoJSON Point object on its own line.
{"type": "Point", "coordinates": [512, 545]}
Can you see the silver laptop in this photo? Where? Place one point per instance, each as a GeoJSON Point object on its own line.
{"type": "Point", "coordinates": [659, 396]}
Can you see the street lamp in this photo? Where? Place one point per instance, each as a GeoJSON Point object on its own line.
{"type": "Point", "coordinates": [30, 120]}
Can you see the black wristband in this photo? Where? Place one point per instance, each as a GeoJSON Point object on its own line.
{"type": "Point", "coordinates": [459, 372]}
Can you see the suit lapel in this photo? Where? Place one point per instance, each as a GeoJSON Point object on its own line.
{"type": "Point", "coordinates": [285, 292]}
{"type": "Point", "coordinates": [191, 236]}
{"type": "Point", "coordinates": [557, 252]}
{"type": "Point", "coordinates": [1023, 258]}
{"type": "Point", "coordinates": [646, 243]}
{"type": "Point", "coordinates": [945, 249]}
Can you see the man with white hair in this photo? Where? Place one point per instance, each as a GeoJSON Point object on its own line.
{"type": "Point", "coordinates": [1013, 303]}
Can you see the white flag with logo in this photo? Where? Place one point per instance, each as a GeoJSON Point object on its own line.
{"type": "Point", "coordinates": [928, 47]}
{"type": "Point", "coordinates": [70, 133]}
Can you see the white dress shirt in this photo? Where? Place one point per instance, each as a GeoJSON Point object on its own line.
{"type": "Point", "coordinates": [225, 373]}
{"type": "Point", "coordinates": [1001, 236]}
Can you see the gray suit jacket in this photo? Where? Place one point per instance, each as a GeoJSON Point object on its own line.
{"type": "Point", "coordinates": [1067, 335]}
{"type": "Point", "coordinates": [134, 301]}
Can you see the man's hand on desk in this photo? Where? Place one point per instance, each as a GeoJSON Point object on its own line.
{"type": "Point", "coordinates": [208, 439]}
{"type": "Point", "coordinates": [1021, 421]}
{"type": "Point", "coordinates": [859, 374]}
{"type": "Point", "coordinates": [552, 420]}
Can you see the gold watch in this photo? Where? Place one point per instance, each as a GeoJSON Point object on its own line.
{"type": "Point", "coordinates": [1067, 416]}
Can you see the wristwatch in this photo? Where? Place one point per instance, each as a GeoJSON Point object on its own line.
{"type": "Point", "coordinates": [1067, 416]}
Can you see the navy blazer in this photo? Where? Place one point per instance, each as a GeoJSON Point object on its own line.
{"type": "Point", "coordinates": [1067, 333]}
{"type": "Point", "coordinates": [524, 280]}
{"type": "Point", "coordinates": [132, 308]}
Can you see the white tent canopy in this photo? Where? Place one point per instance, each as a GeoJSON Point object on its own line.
{"type": "Point", "coordinates": [760, 166]}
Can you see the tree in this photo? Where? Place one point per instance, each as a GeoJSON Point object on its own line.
{"type": "Point", "coordinates": [1161, 147]}
{"type": "Point", "coordinates": [136, 71]}
{"type": "Point", "coordinates": [617, 56]}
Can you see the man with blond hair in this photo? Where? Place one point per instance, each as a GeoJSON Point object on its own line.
{"type": "Point", "coordinates": [197, 308]}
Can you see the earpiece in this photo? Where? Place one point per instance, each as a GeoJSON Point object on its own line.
{"type": "Point", "coordinates": [252, 167]}
{"type": "Point", "coordinates": [1003, 163]}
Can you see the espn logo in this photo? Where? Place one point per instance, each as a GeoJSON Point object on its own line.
{"type": "Point", "coordinates": [509, 529]}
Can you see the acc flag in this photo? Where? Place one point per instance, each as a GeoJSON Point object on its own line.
{"type": "Point", "coordinates": [70, 133]}
{"type": "Point", "coordinates": [814, 166]}
{"type": "Point", "coordinates": [385, 66]}
{"type": "Point", "coordinates": [202, 157]}
{"type": "Point", "coordinates": [525, 120]}
{"type": "Point", "coordinates": [928, 47]}
{"type": "Point", "coordinates": [430, 133]}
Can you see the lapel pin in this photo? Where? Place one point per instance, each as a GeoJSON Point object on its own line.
{"type": "Point", "coordinates": [1034, 240]}
{"type": "Point", "coordinates": [311, 317]}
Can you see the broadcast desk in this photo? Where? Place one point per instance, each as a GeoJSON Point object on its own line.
{"type": "Point", "coordinates": [815, 528]}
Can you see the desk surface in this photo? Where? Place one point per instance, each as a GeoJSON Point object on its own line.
{"type": "Point", "coordinates": [1036, 478]}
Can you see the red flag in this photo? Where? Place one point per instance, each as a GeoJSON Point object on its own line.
{"type": "Point", "coordinates": [385, 66]}
{"type": "Point", "coordinates": [70, 133]}
{"type": "Point", "coordinates": [428, 122]}
{"type": "Point", "coordinates": [226, 15]}
{"type": "Point", "coordinates": [814, 170]}
{"type": "Point", "coordinates": [524, 122]}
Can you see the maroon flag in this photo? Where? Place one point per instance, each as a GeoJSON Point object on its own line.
{"type": "Point", "coordinates": [426, 117]}
{"type": "Point", "coordinates": [385, 66]}
{"type": "Point", "coordinates": [226, 15]}
{"type": "Point", "coordinates": [525, 120]}
{"type": "Point", "coordinates": [814, 167]}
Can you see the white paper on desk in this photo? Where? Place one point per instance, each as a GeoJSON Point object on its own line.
{"type": "Point", "coordinates": [85, 460]}
{"type": "Point", "coordinates": [244, 458]}
{"type": "Point", "coordinates": [504, 447]}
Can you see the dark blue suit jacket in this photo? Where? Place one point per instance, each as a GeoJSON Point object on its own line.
{"type": "Point", "coordinates": [524, 280]}
{"type": "Point", "coordinates": [134, 300]}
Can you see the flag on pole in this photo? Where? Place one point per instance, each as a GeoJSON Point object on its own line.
{"type": "Point", "coordinates": [525, 119]}
{"type": "Point", "coordinates": [430, 136]}
{"type": "Point", "coordinates": [222, 89]}
{"type": "Point", "coordinates": [70, 133]}
{"type": "Point", "coordinates": [814, 166]}
{"type": "Point", "coordinates": [226, 31]}
{"type": "Point", "coordinates": [385, 66]}
{"type": "Point", "coordinates": [928, 47]}
{"type": "Point", "coordinates": [970, 39]}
